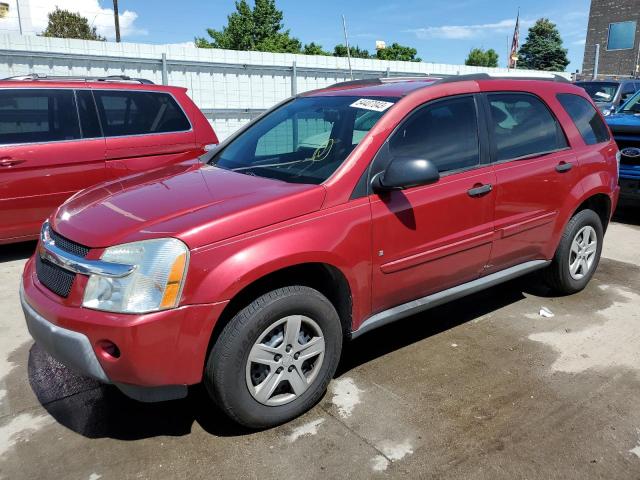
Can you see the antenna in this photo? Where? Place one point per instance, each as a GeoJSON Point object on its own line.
{"type": "Point", "coordinates": [346, 41]}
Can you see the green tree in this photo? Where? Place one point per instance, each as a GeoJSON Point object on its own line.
{"type": "Point", "coordinates": [398, 52]}
{"type": "Point", "coordinates": [66, 24]}
{"type": "Point", "coordinates": [479, 57]}
{"type": "Point", "coordinates": [542, 50]}
{"type": "Point", "coordinates": [314, 49]}
{"type": "Point", "coordinates": [356, 52]}
{"type": "Point", "coordinates": [258, 29]}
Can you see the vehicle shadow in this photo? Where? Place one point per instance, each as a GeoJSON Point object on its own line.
{"type": "Point", "coordinates": [16, 251]}
{"type": "Point", "coordinates": [627, 214]}
{"type": "Point", "coordinates": [98, 411]}
{"type": "Point", "coordinates": [405, 332]}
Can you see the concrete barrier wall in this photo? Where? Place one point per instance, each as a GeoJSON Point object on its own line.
{"type": "Point", "coordinates": [231, 87]}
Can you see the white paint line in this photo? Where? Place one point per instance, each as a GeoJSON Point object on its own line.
{"type": "Point", "coordinates": [636, 451]}
{"type": "Point", "coordinates": [346, 395]}
{"type": "Point", "coordinates": [310, 428]}
{"type": "Point", "coordinates": [20, 428]}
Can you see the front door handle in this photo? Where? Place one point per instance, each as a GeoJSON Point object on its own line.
{"type": "Point", "coordinates": [9, 162]}
{"type": "Point", "coordinates": [563, 167]}
{"type": "Point", "coordinates": [480, 190]}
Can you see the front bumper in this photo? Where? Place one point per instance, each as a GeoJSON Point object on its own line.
{"type": "Point", "coordinates": [70, 348]}
{"type": "Point", "coordinates": [160, 353]}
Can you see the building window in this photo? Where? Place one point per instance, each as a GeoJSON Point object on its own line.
{"type": "Point", "coordinates": [622, 36]}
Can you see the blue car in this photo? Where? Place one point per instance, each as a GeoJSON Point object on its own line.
{"type": "Point", "coordinates": [625, 125]}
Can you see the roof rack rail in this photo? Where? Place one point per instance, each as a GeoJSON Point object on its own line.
{"type": "Point", "coordinates": [383, 80]}
{"type": "Point", "coordinates": [549, 77]}
{"type": "Point", "coordinates": [73, 78]}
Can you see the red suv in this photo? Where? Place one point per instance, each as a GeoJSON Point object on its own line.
{"type": "Point", "coordinates": [59, 135]}
{"type": "Point", "coordinates": [338, 211]}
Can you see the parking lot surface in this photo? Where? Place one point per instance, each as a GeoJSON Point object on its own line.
{"type": "Point", "coordinates": [508, 383]}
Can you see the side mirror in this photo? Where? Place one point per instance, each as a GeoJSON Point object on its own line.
{"type": "Point", "coordinates": [405, 174]}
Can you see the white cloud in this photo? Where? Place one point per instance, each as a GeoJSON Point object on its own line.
{"type": "Point", "coordinates": [35, 16]}
{"type": "Point", "coordinates": [462, 32]}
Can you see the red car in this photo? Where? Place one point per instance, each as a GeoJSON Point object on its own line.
{"type": "Point", "coordinates": [338, 211]}
{"type": "Point", "coordinates": [60, 135]}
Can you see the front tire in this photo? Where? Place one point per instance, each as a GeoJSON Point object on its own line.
{"type": "Point", "coordinates": [578, 254]}
{"type": "Point", "coordinates": [274, 359]}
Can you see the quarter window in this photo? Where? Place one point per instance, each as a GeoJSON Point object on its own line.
{"type": "Point", "coordinates": [446, 133]}
{"type": "Point", "coordinates": [139, 113]}
{"type": "Point", "coordinates": [522, 126]}
{"type": "Point", "coordinates": [35, 116]}
{"type": "Point", "coordinates": [585, 117]}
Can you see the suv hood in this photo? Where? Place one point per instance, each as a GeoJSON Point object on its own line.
{"type": "Point", "coordinates": [199, 204]}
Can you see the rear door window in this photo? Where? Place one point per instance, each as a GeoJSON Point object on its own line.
{"type": "Point", "coordinates": [37, 116]}
{"type": "Point", "coordinates": [445, 132]}
{"type": "Point", "coordinates": [585, 117]}
{"type": "Point", "coordinates": [125, 113]}
{"type": "Point", "coordinates": [522, 126]}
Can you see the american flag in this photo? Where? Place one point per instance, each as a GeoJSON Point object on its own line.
{"type": "Point", "coordinates": [515, 44]}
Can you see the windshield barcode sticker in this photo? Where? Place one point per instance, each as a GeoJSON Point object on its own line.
{"type": "Point", "coordinates": [369, 104]}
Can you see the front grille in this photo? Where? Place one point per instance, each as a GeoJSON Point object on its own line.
{"type": "Point", "coordinates": [55, 278]}
{"type": "Point", "coordinates": [68, 246]}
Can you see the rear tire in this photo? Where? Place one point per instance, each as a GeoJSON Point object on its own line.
{"type": "Point", "coordinates": [274, 359]}
{"type": "Point", "coordinates": [578, 254]}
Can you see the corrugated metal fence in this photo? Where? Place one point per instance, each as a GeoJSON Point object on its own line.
{"type": "Point", "coordinates": [230, 87]}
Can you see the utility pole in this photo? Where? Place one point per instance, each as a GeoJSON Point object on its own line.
{"type": "Point", "coordinates": [19, 16]}
{"type": "Point", "coordinates": [117, 19]}
{"type": "Point", "coordinates": [346, 42]}
{"type": "Point", "coordinates": [596, 62]}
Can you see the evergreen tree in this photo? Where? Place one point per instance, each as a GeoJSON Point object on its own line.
{"type": "Point", "coordinates": [66, 24]}
{"type": "Point", "coordinates": [543, 49]}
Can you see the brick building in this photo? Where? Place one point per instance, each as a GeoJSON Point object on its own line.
{"type": "Point", "coordinates": [615, 25]}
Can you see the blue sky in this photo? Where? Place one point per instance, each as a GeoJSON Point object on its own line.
{"type": "Point", "coordinates": [442, 31]}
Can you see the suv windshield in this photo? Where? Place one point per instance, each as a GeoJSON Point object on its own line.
{"type": "Point", "coordinates": [600, 91]}
{"type": "Point", "coordinates": [632, 105]}
{"type": "Point", "coordinates": [305, 140]}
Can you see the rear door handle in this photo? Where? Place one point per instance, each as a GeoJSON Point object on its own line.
{"type": "Point", "coordinates": [9, 162]}
{"type": "Point", "coordinates": [563, 167]}
{"type": "Point", "coordinates": [480, 190]}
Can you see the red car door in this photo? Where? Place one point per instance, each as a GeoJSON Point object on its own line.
{"type": "Point", "coordinates": [44, 156]}
{"type": "Point", "coordinates": [535, 172]}
{"type": "Point", "coordinates": [429, 238]}
{"type": "Point", "coordinates": [144, 130]}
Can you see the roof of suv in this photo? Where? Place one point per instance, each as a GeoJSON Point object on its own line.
{"type": "Point", "coordinates": [117, 82]}
{"type": "Point", "coordinates": [401, 86]}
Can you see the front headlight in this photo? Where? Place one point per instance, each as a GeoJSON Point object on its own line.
{"type": "Point", "coordinates": [155, 284]}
